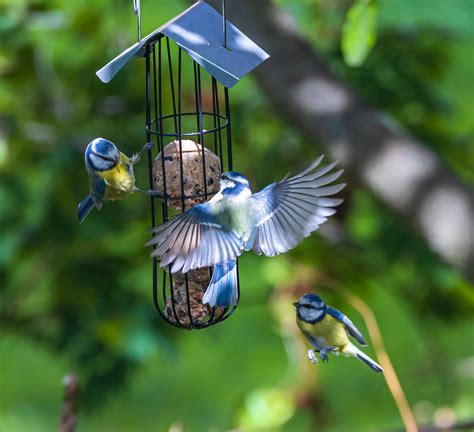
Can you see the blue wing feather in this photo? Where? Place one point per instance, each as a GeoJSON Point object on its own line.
{"type": "Point", "coordinates": [97, 192]}
{"type": "Point", "coordinates": [288, 211]}
{"type": "Point", "coordinates": [98, 186]}
{"type": "Point", "coordinates": [194, 239]}
{"type": "Point", "coordinates": [84, 207]}
{"type": "Point", "coordinates": [349, 325]}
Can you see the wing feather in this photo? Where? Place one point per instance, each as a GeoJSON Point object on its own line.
{"type": "Point", "coordinates": [194, 239]}
{"type": "Point", "coordinates": [288, 211]}
{"type": "Point", "coordinates": [348, 324]}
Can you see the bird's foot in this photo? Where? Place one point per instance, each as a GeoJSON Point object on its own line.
{"type": "Point", "coordinates": [154, 193]}
{"type": "Point", "coordinates": [323, 355]}
{"type": "Point", "coordinates": [312, 356]}
{"type": "Point", "coordinates": [148, 146]}
{"type": "Point", "coordinates": [151, 192]}
{"type": "Point", "coordinates": [136, 157]}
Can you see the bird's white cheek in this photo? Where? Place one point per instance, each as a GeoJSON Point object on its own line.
{"type": "Point", "coordinates": [98, 163]}
{"type": "Point", "coordinates": [216, 198]}
{"type": "Point", "coordinates": [224, 184]}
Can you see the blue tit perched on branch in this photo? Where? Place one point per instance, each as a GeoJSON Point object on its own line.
{"type": "Point", "coordinates": [271, 222]}
{"type": "Point", "coordinates": [328, 331]}
{"type": "Point", "coordinates": [110, 174]}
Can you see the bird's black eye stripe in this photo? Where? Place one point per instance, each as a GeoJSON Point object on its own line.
{"type": "Point", "coordinates": [310, 306]}
{"type": "Point", "coordinates": [103, 157]}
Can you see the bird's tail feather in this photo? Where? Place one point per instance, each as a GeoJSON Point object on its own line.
{"type": "Point", "coordinates": [222, 290]}
{"type": "Point", "coordinates": [357, 353]}
{"type": "Point", "coordinates": [84, 208]}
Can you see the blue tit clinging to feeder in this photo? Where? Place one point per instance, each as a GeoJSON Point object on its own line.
{"type": "Point", "coordinates": [271, 222]}
{"type": "Point", "coordinates": [110, 173]}
{"type": "Point", "coordinates": [328, 331]}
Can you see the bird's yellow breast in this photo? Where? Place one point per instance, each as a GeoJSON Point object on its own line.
{"type": "Point", "coordinates": [120, 180]}
{"type": "Point", "coordinates": [329, 330]}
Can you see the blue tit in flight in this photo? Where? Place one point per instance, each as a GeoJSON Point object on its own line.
{"type": "Point", "coordinates": [328, 331]}
{"type": "Point", "coordinates": [271, 222]}
{"type": "Point", "coordinates": [110, 173]}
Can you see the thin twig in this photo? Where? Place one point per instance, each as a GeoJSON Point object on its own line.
{"type": "Point", "coordinates": [462, 426]}
{"type": "Point", "coordinates": [69, 409]}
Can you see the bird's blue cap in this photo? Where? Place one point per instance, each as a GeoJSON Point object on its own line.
{"type": "Point", "coordinates": [312, 300]}
{"type": "Point", "coordinates": [233, 175]}
{"type": "Point", "coordinates": [101, 146]}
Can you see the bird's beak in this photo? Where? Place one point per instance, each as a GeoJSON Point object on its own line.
{"type": "Point", "coordinates": [296, 304]}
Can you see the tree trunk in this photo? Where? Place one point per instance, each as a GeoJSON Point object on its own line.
{"type": "Point", "coordinates": [403, 173]}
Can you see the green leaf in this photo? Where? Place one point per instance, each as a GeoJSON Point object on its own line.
{"type": "Point", "coordinates": [359, 33]}
{"type": "Point", "coordinates": [267, 409]}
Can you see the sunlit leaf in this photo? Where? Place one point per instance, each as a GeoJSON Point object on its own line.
{"type": "Point", "coordinates": [267, 408]}
{"type": "Point", "coordinates": [359, 33]}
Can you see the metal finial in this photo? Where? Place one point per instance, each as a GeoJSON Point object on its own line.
{"type": "Point", "coordinates": [224, 23]}
{"type": "Point", "coordinates": [136, 10]}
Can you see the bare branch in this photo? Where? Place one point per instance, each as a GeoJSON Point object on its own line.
{"type": "Point", "coordinates": [69, 410]}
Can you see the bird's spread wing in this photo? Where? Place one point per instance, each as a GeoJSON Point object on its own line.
{"type": "Point", "coordinates": [349, 325]}
{"type": "Point", "coordinates": [289, 211]}
{"type": "Point", "coordinates": [194, 239]}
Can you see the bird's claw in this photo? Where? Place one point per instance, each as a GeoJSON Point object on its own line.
{"type": "Point", "coordinates": [154, 193]}
{"type": "Point", "coordinates": [312, 356]}
{"type": "Point", "coordinates": [136, 157]}
{"type": "Point", "coordinates": [151, 192]}
{"type": "Point", "coordinates": [148, 146]}
{"type": "Point", "coordinates": [323, 355]}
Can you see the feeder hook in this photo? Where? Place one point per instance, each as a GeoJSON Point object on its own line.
{"type": "Point", "coordinates": [136, 10]}
{"type": "Point", "coordinates": [224, 24]}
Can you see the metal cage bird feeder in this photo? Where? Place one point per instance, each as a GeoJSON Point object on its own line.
{"type": "Point", "coordinates": [198, 49]}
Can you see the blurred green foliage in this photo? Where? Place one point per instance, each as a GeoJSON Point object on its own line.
{"type": "Point", "coordinates": [359, 32]}
{"type": "Point", "coordinates": [78, 298]}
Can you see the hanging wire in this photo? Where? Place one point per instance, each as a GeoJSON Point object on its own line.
{"type": "Point", "coordinates": [224, 24]}
{"type": "Point", "coordinates": [136, 10]}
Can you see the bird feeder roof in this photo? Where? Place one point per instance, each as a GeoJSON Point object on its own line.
{"type": "Point", "coordinates": [198, 31]}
